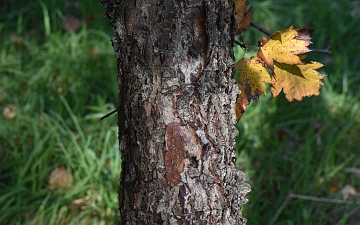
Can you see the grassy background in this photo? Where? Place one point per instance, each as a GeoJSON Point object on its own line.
{"type": "Point", "coordinates": [58, 165]}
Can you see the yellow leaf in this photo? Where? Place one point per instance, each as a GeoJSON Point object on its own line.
{"type": "Point", "coordinates": [253, 74]}
{"type": "Point", "coordinates": [240, 8]}
{"type": "Point", "coordinates": [251, 83]}
{"type": "Point", "coordinates": [284, 46]}
{"type": "Point", "coordinates": [297, 81]}
{"type": "Point", "coordinates": [243, 17]}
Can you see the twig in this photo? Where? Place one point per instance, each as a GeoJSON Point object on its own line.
{"type": "Point", "coordinates": [311, 198]}
{"type": "Point", "coordinates": [260, 28]}
{"type": "Point", "coordinates": [323, 51]}
{"type": "Point", "coordinates": [317, 199]}
{"type": "Point", "coordinates": [240, 44]}
{"type": "Point", "coordinates": [281, 209]}
{"type": "Point", "coordinates": [107, 115]}
{"type": "Point", "coordinates": [348, 215]}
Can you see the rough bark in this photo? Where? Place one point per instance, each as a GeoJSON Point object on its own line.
{"type": "Point", "coordinates": [176, 112]}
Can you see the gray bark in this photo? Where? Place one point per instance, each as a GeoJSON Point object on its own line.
{"type": "Point", "coordinates": [176, 112]}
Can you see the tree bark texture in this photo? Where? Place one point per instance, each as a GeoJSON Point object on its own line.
{"type": "Point", "coordinates": [176, 112]}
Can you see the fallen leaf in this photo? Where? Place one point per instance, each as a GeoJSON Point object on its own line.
{"type": "Point", "coordinates": [16, 39]}
{"type": "Point", "coordinates": [9, 111]}
{"type": "Point", "coordinates": [334, 186]}
{"type": "Point", "coordinates": [60, 180]}
{"type": "Point", "coordinates": [71, 23]}
{"type": "Point", "coordinates": [285, 134]}
{"type": "Point", "coordinates": [347, 191]}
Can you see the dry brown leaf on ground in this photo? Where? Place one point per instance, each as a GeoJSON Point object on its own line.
{"type": "Point", "coordinates": [60, 180]}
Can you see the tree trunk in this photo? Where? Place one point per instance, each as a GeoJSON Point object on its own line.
{"type": "Point", "coordinates": [176, 112]}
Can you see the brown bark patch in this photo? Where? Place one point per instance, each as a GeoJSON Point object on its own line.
{"type": "Point", "coordinates": [174, 156]}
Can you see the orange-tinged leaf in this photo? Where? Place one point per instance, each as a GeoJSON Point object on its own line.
{"type": "Point", "coordinates": [334, 186]}
{"type": "Point", "coordinates": [240, 8]}
{"type": "Point", "coordinates": [251, 83]}
{"type": "Point", "coordinates": [284, 47]}
{"type": "Point", "coordinates": [253, 74]}
{"type": "Point", "coordinates": [297, 81]}
{"type": "Point", "coordinates": [241, 102]}
{"type": "Point", "coordinates": [60, 180]}
{"type": "Point", "coordinates": [245, 22]}
{"type": "Point", "coordinates": [284, 54]}
{"type": "Point", "coordinates": [242, 17]}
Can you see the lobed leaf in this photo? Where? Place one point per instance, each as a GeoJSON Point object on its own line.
{"type": "Point", "coordinates": [284, 54]}
{"type": "Point", "coordinates": [253, 74]}
{"type": "Point", "coordinates": [242, 17]}
{"type": "Point", "coordinates": [284, 47]}
{"type": "Point", "coordinates": [297, 81]}
{"type": "Point", "coordinates": [251, 82]}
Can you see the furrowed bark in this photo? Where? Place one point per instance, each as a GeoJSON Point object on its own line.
{"type": "Point", "coordinates": [176, 112]}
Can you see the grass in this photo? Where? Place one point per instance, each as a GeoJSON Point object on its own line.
{"type": "Point", "coordinates": [59, 165]}
{"type": "Point", "coordinates": [54, 85]}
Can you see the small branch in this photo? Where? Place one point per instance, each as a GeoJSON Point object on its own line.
{"type": "Point", "coordinates": [311, 198]}
{"type": "Point", "coordinates": [260, 28]}
{"type": "Point", "coordinates": [240, 44]}
{"type": "Point", "coordinates": [107, 115]}
{"type": "Point", "coordinates": [281, 209]}
{"type": "Point", "coordinates": [323, 51]}
{"type": "Point", "coordinates": [348, 215]}
{"type": "Point", "coordinates": [327, 200]}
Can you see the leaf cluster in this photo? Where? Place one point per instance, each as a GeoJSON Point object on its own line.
{"type": "Point", "coordinates": [283, 54]}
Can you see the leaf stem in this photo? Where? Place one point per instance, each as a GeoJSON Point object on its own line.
{"type": "Point", "coordinates": [260, 28]}
{"type": "Point", "coordinates": [269, 33]}
{"type": "Point", "coordinates": [323, 51]}
{"type": "Point", "coordinates": [107, 115]}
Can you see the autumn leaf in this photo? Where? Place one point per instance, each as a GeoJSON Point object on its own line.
{"type": "Point", "coordinates": [251, 82]}
{"type": "Point", "coordinates": [253, 74]}
{"type": "Point", "coordinates": [284, 54]}
{"type": "Point", "coordinates": [240, 9]}
{"type": "Point", "coordinates": [242, 17]}
{"type": "Point", "coordinates": [240, 106]}
{"type": "Point", "coordinates": [284, 47]}
{"type": "Point", "coordinates": [297, 81]}
{"type": "Point", "coordinates": [60, 180]}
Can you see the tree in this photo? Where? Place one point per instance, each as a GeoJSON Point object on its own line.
{"type": "Point", "coordinates": [176, 112]}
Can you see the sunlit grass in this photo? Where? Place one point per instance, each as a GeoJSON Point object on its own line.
{"type": "Point", "coordinates": [53, 87]}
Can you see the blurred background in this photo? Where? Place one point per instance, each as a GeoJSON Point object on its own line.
{"type": "Point", "coordinates": [59, 165]}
